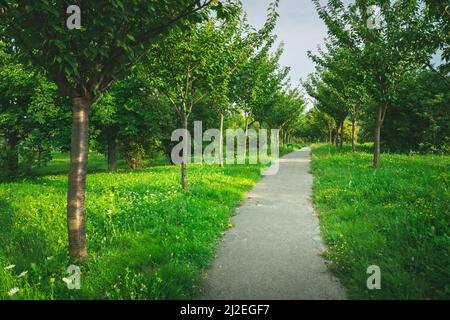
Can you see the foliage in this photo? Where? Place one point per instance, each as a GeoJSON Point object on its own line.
{"type": "Point", "coordinates": [419, 117]}
{"type": "Point", "coordinates": [33, 118]}
{"type": "Point", "coordinates": [112, 38]}
{"type": "Point", "coordinates": [136, 116]}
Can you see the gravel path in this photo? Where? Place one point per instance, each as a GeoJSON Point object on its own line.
{"type": "Point", "coordinates": [273, 250]}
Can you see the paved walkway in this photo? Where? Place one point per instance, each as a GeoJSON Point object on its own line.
{"type": "Point", "coordinates": [273, 250]}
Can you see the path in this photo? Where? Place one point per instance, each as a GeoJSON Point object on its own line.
{"type": "Point", "coordinates": [273, 250]}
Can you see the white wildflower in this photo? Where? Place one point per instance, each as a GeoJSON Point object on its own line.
{"type": "Point", "coordinates": [23, 274]}
{"type": "Point", "coordinates": [12, 266]}
{"type": "Point", "coordinates": [13, 291]}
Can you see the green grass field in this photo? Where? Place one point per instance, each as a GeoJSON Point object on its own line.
{"type": "Point", "coordinates": [397, 218]}
{"type": "Point", "coordinates": [146, 238]}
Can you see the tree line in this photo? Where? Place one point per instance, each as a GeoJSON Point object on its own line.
{"type": "Point", "coordinates": [126, 79]}
{"type": "Point", "coordinates": [377, 81]}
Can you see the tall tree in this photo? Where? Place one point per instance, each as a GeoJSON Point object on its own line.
{"type": "Point", "coordinates": [85, 62]}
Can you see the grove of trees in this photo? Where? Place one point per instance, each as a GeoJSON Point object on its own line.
{"type": "Point", "coordinates": [135, 72]}
{"type": "Point", "coordinates": [380, 77]}
{"type": "Point", "coordinates": [121, 84]}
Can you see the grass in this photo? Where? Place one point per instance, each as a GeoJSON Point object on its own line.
{"type": "Point", "coordinates": [146, 238]}
{"type": "Point", "coordinates": [396, 217]}
{"type": "Point", "coordinates": [97, 163]}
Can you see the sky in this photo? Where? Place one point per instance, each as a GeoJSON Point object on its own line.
{"type": "Point", "coordinates": [299, 28]}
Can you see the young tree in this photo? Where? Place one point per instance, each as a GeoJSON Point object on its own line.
{"type": "Point", "coordinates": [326, 88]}
{"type": "Point", "coordinates": [257, 83]}
{"type": "Point", "coordinates": [402, 41]}
{"type": "Point", "coordinates": [232, 49]}
{"type": "Point", "coordinates": [180, 69]}
{"type": "Point", "coordinates": [316, 126]}
{"type": "Point", "coordinates": [236, 43]}
{"type": "Point", "coordinates": [284, 112]}
{"type": "Point", "coordinates": [346, 77]}
{"type": "Point", "coordinates": [85, 62]}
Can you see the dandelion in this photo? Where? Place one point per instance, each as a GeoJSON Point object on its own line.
{"type": "Point", "coordinates": [13, 291]}
{"type": "Point", "coordinates": [12, 266]}
{"type": "Point", "coordinates": [23, 274]}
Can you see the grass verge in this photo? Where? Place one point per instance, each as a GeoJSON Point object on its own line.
{"type": "Point", "coordinates": [146, 238]}
{"type": "Point", "coordinates": [397, 218]}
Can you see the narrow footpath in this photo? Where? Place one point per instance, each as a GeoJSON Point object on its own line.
{"type": "Point", "coordinates": [273, 250]}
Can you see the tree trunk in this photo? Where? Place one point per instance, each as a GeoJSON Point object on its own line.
{"type": "Point", "coordinates": [377, 137]}
{"type": "Point", "coordinates": [221, 140]}
{"type": "Point", "coordinates": [39, 156]}
{"type": "Point", "coordinates": [112, 150]}
{"type": "Point", "coordinates": [330, 130]}
{"type": "Point", "coordinates": [13, 154]}
{"type": "Point", "coordinates": [353, 136]}
{"type": "Point", "coordinates": [246, 136]}
{"type": "Point", "coordinates": [336, 137]}
{"type": "Point", "coordinates": [185, 153]}
{"type": "Point", "coordinates": [77, 180]}
{"type": "Point", "coordinates": [341, 143]}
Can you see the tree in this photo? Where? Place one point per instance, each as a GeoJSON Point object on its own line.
{"type": "Point", "coordinates": [84, 63]}
{"type": "Point", "coordinates": [31, 114]}
{"type": "Point", "coordinates": [405, 39]}
{"type": "Point", "coordinates": [257, 83]}
{"type": "Point", "coordinates": [439, 11]}
{"type": "Point", "coordinates": [346, 77]}
{"type": "Point", "coordinates": [232, 49]}
{"type": "Point", "coordinates": [179, 66]}
{"type": "Point", "coordinates": [419, 115]}
{"type": "Point", "coordinates": [236, 43]}
{"type": "Point", "coordinates": [326, 88]}
{"type": "Point", "coordinates": [285, 112]}
{"type": "Point", "coordinates": [131, 117]}
{"type": "Point", "coordinates": [316, 126]}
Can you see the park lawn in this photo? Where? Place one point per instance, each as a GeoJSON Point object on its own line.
{"type": "Point", "coordinates": [397, 218]}
{"type": "Point", "coordinates": [146, 238]}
